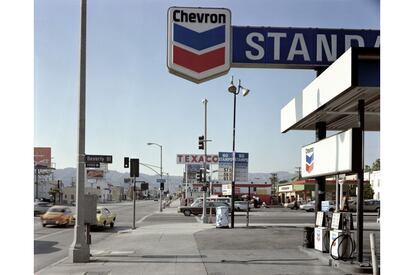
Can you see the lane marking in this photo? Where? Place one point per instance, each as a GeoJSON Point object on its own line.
{"type": "Point", "coordinates": [143, 218]}
{"type": "Point", "coordinates": [51, 234]}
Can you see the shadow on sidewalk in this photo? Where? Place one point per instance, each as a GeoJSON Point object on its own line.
{"type": "Point", "coordinates": [45, 247]}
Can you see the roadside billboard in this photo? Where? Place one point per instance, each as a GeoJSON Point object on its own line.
{"type": "Point", "coordinates": [226, 167]}
{"type": "Point", "coordinates": [94, 173]}
{"type": "Point", "coordinates": [198, 42]}
{"type": "Point", "coordinates": [202, 44]}
{"type": "Point", "coordinates": [295, 48]}
{"type": "Point", "coordinates": [332, 155]}
{"type": "Point", "coordinates": [196, 159]}
{"type": "Point", "coordinates": [43, 156]}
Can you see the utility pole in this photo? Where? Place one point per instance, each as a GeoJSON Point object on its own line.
{"type": "Point", "coordinates": [79, 250]}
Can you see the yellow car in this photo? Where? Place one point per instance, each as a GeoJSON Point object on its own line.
{"type": "Point", "coordinates": [104, 217]}
{"type": "Point", "coordinates": [57, 215]}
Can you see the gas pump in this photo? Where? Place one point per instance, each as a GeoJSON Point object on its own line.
{"type": "Point", "coordinates": [342, 245]}
{"type": "Point", "coordinates": [321, 233]}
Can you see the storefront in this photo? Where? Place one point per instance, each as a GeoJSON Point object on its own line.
{"type": "Point", "coordinates": [304, 190]}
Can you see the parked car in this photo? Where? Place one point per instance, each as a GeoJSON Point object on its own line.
{"type": "Point", "coordinates": [308, 207]}
{"type": "Point", "coordinates": [240, 206]}
{"type": "Point", "coordinates": [224, 199]}
{"type": "Point", "coordinates": [291, 204]}
{"type": "Point", "coordinates": [104, 217]}
{"type": "Point", "coordinates": [369, 205]}
{"type": "Point", "coordinates": [197, 209]}
{"type": "Point", "coordinates": [40, 207]}
{"type": "Point", "coordinates": [57, 215]}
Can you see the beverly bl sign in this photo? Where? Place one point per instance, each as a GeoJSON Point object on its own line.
{"type": "Point", "coordinates": [200, 40]}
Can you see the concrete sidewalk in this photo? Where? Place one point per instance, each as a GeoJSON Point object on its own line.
{"type": "Point", "coordinates": [196, 248]}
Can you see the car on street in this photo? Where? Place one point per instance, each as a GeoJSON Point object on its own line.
{"type": "Point", "coordinates": [197, 209]}
{"type": "Point", "coordinates": [240, 206]}
{"type": "Point", "coordinates": [40, 207]}
{"type": "Point", "coordinates": [308, 207]}
{"type": "Point", "coordinates": [369, 205]}
{"type": "Point", "coordinates": [291, 204]}
{"type": "Point", "coordinates": [105, 217]}
{"type": "Point", "coordinates": [58, 215]}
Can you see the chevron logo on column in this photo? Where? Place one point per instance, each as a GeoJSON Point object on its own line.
{"type": "Point", "coordinates": [198, 42]}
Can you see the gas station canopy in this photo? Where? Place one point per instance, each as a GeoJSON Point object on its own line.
{"type": "Point", "coordinates": [333, 96]}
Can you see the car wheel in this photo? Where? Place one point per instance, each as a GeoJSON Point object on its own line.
{"type": "Point", "coordinates": [111, 224]}
{"type": "Point", "coordinates": [377, 209]}
{"type": "Point", "coordinates": [104, 223]}
{"type": "Point", "coordinates": [187, 212]}
{"type": "Point", "coordinates": [331, 210]}
{"type": "Point", "coordinates": [44, 225]}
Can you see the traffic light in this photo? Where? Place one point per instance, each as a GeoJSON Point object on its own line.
{"type": "Point", "coordinates": [134, 169]}
{"type": "Point", "coordinates": [201, 142]}
{"type": "Point", "coordinates": [161, 186]}
{"type": "Point", "coordinates": [126, 162]}
{"type": "Point", "coordinates": [199, 176]}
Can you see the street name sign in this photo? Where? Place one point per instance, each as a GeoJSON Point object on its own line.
{"type": "Point", "coordinates": [98, 158]}
{"type": "Point", "coordinates": [161, 180]}
{"type": "Point", "coordinates": [93, 165]}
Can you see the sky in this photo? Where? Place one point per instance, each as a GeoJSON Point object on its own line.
{"type": "Point", "coordinates": [132, 99]}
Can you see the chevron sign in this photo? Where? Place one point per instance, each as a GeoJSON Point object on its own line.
{"type": "Point", "coordinates": [198, 42]}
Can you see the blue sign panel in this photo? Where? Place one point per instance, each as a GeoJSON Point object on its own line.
{"type": "Point", "coordinates": [325, 206]}
{"type": "Point", "coordinates": [226, 167]}
{"type": "Point", "coordinates": [227, 158]}
{"type": "Point", "coordinates": [295, 47]}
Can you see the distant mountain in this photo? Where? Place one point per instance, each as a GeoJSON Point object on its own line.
{"type": "Point", "coordinates": [68, 175]}
{"type": "Point", "coordinates": [265, 177]}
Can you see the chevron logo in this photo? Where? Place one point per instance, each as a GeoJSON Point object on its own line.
{"type": "Point", "coordinates": [198, 42]}
{"type": "Point", "coordinates": [309, 160]}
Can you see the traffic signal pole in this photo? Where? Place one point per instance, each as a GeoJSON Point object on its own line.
{"type": "Point", "coordinates": [205, 164]}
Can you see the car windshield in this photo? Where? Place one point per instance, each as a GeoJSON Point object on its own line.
{"type": "Point", "coordinates": [56, 210]}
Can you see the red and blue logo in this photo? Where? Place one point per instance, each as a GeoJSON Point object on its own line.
{"type": "Point", "coordinates": [309, 160]}
{"type": "Point", "coordinates": [198, 42]}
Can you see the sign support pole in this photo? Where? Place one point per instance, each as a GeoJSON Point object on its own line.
{"type": "Point", "coordinates": [133, 209]}
{"type": "Point", "coordinates": [320, 181]}
{"type": "Point", "coordinates": [360, 178]}
{"type": "Point", "coordinates": [79, 250]}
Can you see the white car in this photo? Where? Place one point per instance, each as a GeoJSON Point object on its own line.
{"type": "Point", "coordinates": [308, 207]}
{"type": "Point", "coordinates": [240, 206]}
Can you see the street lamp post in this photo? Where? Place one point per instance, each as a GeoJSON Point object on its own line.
{"type": "Point", "coordinates": [235, 91]}
{"type": "Point", "coordinates": [79, 250]}
{"type": "Point", "coordinates": [151, 143]}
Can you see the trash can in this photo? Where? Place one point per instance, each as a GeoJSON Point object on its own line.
{"type": "Point", "coordinates": [222, 217]}
{"type": "Point", "coordinates": [308, 241]}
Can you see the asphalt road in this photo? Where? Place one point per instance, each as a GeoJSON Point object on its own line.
{"type": "Point", "coordinates": [51, 243]}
